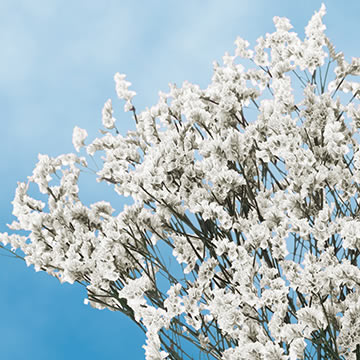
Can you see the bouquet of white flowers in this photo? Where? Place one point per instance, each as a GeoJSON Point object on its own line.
{"type": "Point", "coordinates": [250, 184]}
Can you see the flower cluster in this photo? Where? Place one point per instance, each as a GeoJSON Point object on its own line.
{"type": "Point", "coordinates": [251, 192]}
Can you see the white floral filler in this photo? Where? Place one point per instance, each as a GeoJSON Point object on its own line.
{"type": "Point", "coordinates": [254, 193]}
{"type": "Point", "coordinates": [107, 119]}
{"type": "Point", "coordinates": [78, 138]}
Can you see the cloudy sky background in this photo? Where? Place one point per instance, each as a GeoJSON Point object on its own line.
{"type": "Point", "coordinates": [57, 63]}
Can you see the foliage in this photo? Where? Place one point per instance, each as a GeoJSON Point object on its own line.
{"type": "Point", "coordinates": [251, 184]}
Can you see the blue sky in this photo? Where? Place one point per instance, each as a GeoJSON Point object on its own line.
{"type": "Point", "coordinates": [57, 63]}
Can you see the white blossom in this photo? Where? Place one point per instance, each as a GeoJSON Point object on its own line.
{"type": "Point", "coordinates": [122, 90]}
{"type": "Point", "coordinates": [244, 225]}
{"type": "Point", "coordinates": [107, 118]}
{"type": "Point", "coordinates": [78, 138]}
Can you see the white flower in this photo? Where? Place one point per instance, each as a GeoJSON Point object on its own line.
{"type": "Point", "coordinates": [241, 48]}
{"type": "Point", "coordinates": [258, 206]}
{"type": "Point", "coordinates": [122, 90]}
{"type": "Point", "coordinates": [79, 135]}
{"type": "Point", "coordinates": [282, 23]}
{"type": "Point", "coordinates": [107, 118]}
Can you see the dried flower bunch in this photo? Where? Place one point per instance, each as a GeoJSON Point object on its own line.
{"type": "Point", "coordinates": [253, 192]}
